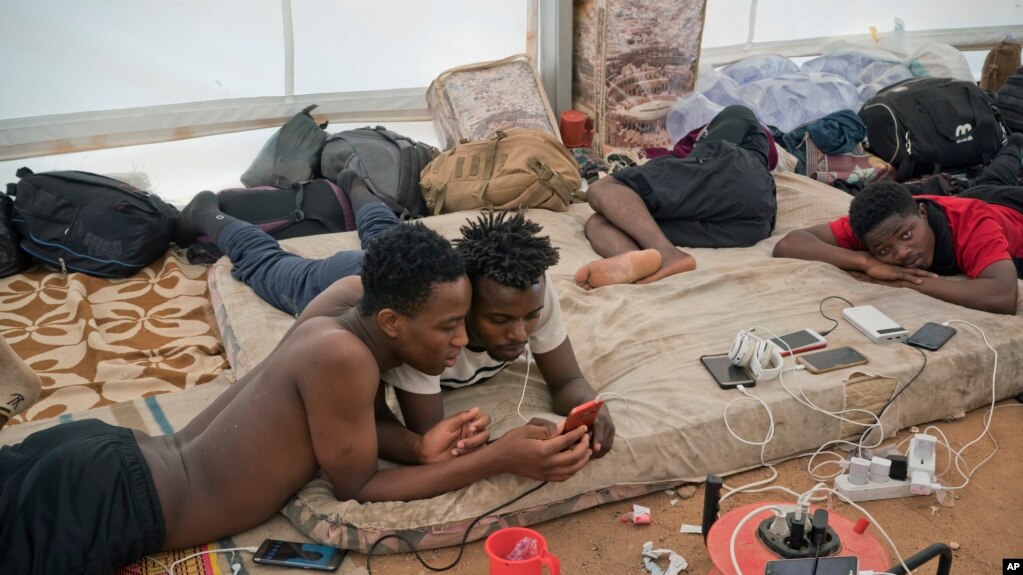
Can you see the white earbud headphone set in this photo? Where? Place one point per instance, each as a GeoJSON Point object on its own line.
{"type": "Point", "coordinates": [761, 357]}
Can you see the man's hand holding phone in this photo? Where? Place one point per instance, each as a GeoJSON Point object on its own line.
{"type": "Point", "coordinates": [544, 451]}
{"type": "Point", "coordinates": [595, 416]}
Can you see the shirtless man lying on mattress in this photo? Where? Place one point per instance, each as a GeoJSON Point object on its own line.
{"type": "Point", "coordinates": [89, 497]}
{"type": "Point", "coordinates": [514, 308]}
{"type": "Point", "coordinates": [902, 239]}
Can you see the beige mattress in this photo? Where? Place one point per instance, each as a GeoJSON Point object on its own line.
{"type": "Point", "coordinates": [644, 343]}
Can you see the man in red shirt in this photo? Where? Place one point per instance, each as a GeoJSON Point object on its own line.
{"type": "Point", "coordinates": [906, 241]}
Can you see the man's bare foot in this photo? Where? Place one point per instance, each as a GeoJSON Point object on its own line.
{"type": "Point", "coordinates": [673, 262]}
{"type": "Point", "coordinates": [621, 269]}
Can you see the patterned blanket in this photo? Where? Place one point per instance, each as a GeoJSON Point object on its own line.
{"type": "Point", "coordinates": [96, 342]}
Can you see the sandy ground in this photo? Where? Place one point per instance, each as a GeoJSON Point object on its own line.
{"type": "Point", "coordinates": [986, 521]}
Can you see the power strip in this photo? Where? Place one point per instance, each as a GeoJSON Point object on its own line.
{"type": "Point", "coordinates": [891, 489]}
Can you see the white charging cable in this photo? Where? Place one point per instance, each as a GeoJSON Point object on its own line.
{"type": "Point", "coordinates": [525, 384]}
{"type": "Point", "coordinates": [956, 456]}
{"type": "Point", "coordinates": [770, 433]}
{"type": "Point", "coordinates": [174, 565]}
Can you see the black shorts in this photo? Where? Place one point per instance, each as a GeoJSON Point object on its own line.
{"type": "Point", "coordinates": [77, 498]}
{"type": "Point", "coordinates": [722, 195]}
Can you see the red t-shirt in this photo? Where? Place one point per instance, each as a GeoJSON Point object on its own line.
{"type": "Point", "coordinates": [982, 233]}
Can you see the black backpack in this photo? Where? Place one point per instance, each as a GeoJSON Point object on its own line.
{"type": "Point", "coordinates": [387, 162]}
{"type": "Point", "coordinates": [1010, 101]}
{"type": "Point", "coordinates": [83, 222]}
{"type": "Point", "coordinates": [926, 125]}
{"type": "Point", "coordinates": [13, 259]}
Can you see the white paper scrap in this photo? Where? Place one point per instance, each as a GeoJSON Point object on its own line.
{"type": "Point", "coordinates": [676, 563]}
{"type": "Point", "coordinates": [687, 528]}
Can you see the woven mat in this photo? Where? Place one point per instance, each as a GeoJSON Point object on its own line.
{"type": "Point", "coordinates": [96, 342]}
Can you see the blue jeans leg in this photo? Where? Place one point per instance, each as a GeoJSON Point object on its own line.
{"type": "Point", "coordinates": [288, 281]}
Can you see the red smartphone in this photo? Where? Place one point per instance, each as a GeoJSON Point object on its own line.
{"type": "Point", "coordinates": [583, 414]}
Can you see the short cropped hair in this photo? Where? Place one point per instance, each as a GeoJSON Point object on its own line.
{"type": "Point", "coordinates": [505, 249]}
{"type": "Point", "coordinates": [876, 203]}
{"type": "Point", "coordinates": [401, 267]}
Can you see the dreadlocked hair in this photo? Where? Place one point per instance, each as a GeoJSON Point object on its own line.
{"type": "Point", "coordinates": [876, 203]}
{"type": "Point", "coordinates": [402, 266]}
{"type": "Point", "coordinates": [505, 249]}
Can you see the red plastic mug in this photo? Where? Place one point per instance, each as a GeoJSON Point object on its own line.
{"type": "Point", "coordinates": [501, 542]}
{"type": "Point", "coordinates": [576, 129]}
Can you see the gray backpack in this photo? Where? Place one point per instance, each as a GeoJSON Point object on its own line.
{"type": "Point", "coordinates": [387, 162]}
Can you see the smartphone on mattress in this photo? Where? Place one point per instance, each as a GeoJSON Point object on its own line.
{"type": "Point", "coordinates": [727, 375]}
{"type": "Point", "coordinates": [931, 336]}
{"type": "Point", "coordinates": [300, 555]}
{"type": "Point", "coordinates": [799, 341]}
{"type": "Point", "coordinates": [830, 360]}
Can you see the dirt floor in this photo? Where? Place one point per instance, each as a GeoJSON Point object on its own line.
{"type": "Point", "coordinates": [986, 521]}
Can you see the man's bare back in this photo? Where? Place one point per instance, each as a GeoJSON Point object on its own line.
{"type": "Point", "coordinates": [240, 460]}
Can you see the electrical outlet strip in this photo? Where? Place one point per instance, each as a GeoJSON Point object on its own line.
{"type": "Point", "coordinates": [891, 489]}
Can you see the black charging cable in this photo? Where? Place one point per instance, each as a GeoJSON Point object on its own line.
{"type": "Point", "coordinates": [461, 547]}
{"type": "Point", "coordinates": [818, 533]}
{"type": "Point", "coordinates": [831, 319]}
{"type": "Point", "coordinates": [888, 404]}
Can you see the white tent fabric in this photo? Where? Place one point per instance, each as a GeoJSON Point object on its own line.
{"type": "Point", "coordinates": [108, 75]}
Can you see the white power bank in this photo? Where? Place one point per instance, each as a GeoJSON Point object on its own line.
{"type": "Point", "coordinates": [875, 325]}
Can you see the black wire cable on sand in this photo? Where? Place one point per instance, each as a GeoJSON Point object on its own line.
{"type": "Point", "coordinates": [461, 547]}
{"type": "Point", "coordinates": [884, 408]}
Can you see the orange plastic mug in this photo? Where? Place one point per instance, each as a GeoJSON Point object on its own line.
{"type": "Point", "coordinates": [576, 129]}
{"type": "Point", "coordinates": [501, 542]}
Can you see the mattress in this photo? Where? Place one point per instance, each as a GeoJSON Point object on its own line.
{"type": "Point", "coordinates": [643, 343]}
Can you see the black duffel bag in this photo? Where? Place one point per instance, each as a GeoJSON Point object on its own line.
{"type": "Point", "coordinates": [926, 125]}
{"type": "Point", "coordinates": [83, 222]}
{"type": "Point", "coordinates": [303, 209]}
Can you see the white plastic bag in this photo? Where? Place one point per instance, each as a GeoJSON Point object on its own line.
{"type": "Point", "coordinates": [880, 75]}
{"type": "Point", "coordinates": [719, 88]}
{"type": "Point", "coordinates": [794, 99]}
{"type": "Point", "coordinates": [937, 60]}
{"type": "Point", "coordinates": [759, 67]}
{"type": "Point", "coordinates": [688, 113]}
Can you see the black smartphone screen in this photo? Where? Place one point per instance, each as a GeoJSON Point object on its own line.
{"type": "Point", "coordinates": [727, 375]}
{"type": "Point", "coordinates": [822, 360]}
{"type": "Point", "coordinates": [824, 566]}
{"type": "Point", "coordinates": [931, 336]}
{"type": "Point", "coordinates": [302, 555]}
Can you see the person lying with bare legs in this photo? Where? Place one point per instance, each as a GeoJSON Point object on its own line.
{"type": "Point", "coordinates": [902, 240]}
{"type": "Point", "coordinates": [721, 195]}
{"type": "Point", "coordinates": [86, 496]}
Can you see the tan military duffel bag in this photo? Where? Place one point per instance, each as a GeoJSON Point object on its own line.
{"type": "Point", "coordinates": [518, 168]}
